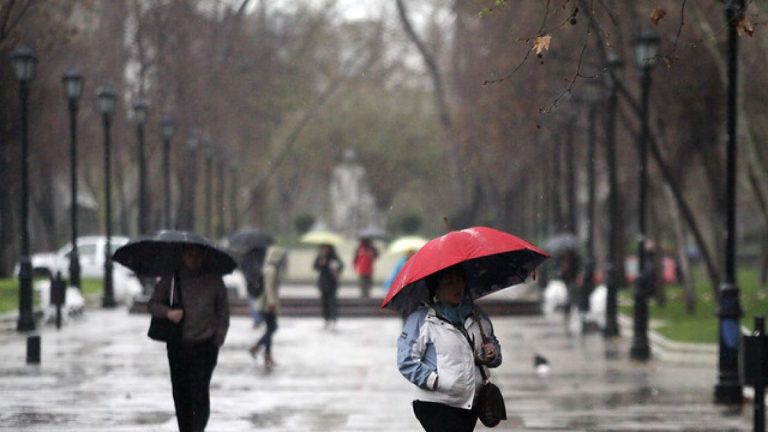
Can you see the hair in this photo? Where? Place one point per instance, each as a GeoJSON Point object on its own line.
{"type": "Point", "coordinates": [433, 280]}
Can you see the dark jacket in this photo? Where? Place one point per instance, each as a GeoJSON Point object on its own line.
{"type": "Point", "coordinates": [329, 268]}
{"type": "Point", "coordinates": [205, 304]}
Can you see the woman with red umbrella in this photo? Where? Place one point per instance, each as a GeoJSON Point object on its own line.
{"type": "Point", "coordinates": [441, 351]}
{"type": "Point", "coordinates": [448, 345]}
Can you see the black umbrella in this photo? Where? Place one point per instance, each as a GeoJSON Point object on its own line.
{"type": "Point", "coordinates": [160, 254]}
{"type": "Point", "coordinates": [247, 239]}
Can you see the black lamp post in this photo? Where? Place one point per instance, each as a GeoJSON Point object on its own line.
{"type": "Point", "coordinates": [593, 92]}
{"type": "Point", "coordinates": [208, 186]}
{"type": "Point", "coordinates": [24, 61]}
{"type": "Point", "coordinates": [73, 88]}
{"type": "Point", "coordinates": [221, 225]}
{"type": "Point", "coordinates": [234, 183]}
{"type": "Point", "coordinates": [612, 270]}
{"type": "Point", "coordinates": [193, 143]}
{"type": "Point", "coordinates": [728, 388]}
{"type": "Point", "coordinates": [140, 116]}
{"type": "Point", "coordinates": [167, 128]}
{"type": "Point", "coordinates": [646, 46]}
{"type": "Point", "coordinates": [106, 101]}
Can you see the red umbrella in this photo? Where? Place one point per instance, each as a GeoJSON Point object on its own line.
{"type": "Point", "coordinates": [491, 259]}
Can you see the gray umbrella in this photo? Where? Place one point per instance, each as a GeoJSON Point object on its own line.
{"type": "Point", "coordinates": [245, 240]}
{"type": "Point", "coordinates": [373, 233]}
{"type": "Point", "coordinates": [160, 254]}
{"type": "Point", "coordinates": [560, 243]}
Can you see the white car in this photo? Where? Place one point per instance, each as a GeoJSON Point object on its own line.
{"type": "Point", "coordinates": [91, 253]}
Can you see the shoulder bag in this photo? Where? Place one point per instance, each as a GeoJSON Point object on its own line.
{"type": "Point", "coordinates": [489, 402]}
{"type": "Point", "coordinates": [163, 329]}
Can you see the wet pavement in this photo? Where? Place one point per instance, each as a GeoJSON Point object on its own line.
{"type": "Point", "coordinates": [101, 373]}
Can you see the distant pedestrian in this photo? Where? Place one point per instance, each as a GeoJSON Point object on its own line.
{"type": "Point", "coordinates": [329, 268]}
{"type": "Point", "coordinates": [570, 266]}
{"type": "Point", "coordinates": [443, 352]}
{"type": "Point", "coordinates": [251, 265]}
{"type": "Point", "coordinates": [268, 303]}
{"type": "Point", "coordinates": [365, 255]}
{"type": "Point", "coordinates": [205, 320]}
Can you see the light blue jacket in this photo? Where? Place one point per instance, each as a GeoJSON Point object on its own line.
{"type": "Point", "coordinates": [431, 347]}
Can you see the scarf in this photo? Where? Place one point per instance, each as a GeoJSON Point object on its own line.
{"type": "Point", "coordinates": [455, 314]}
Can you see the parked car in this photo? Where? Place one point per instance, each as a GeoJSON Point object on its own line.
{"type": "Point", "coordinates": [91, 252]}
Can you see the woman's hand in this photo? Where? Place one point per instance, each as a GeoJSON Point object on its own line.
{"type": "Point", "coordinates": [489, 352]}
{"type": "Point", "coordinates": [175, 315]}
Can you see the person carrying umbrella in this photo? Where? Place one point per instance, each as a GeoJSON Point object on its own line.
{"type": "Point", "coordinates": [329, 267]}
{"type": "Point", "coordinates": [448, 344]}
{"type": "Point", "coordinates": [268, 302]}
{"type": "Point", "coordinates": [192, 294]}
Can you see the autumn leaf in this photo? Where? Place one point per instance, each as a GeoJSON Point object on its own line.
{"type": "Point", "coordinates": [541, 43]}
{"type": "Point", "coordinates": [745, 26]}
{"type": "Point", "coordinates": [657, 14]}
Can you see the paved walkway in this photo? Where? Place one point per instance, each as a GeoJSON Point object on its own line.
{"type": "Point", "coordinates": [101, 373]}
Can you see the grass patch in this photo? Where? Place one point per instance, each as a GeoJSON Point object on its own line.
{"type": "Point", "coordinates": [9, 292]}
{"type": "Point", "coordinates": [702, 326]}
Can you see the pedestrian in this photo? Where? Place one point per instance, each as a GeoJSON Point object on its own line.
{"type": "Point", "coordinates": [442, 350]}
{"type": "Point", "coordinates": [268, 303]}
{"type": "Point", "coordinates": [251, 266]}
{"type": "Point", "coordinates": [569, 272]}
{"type": "Point", "coordinates": [329, 268]}
{"type": "Point", "coordinates": [204, 317]}
{"type": "Point", "coordinates": [365, 255]}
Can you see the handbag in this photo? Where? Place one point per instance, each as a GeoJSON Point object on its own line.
{"type": "Point", "coordinates": [163, 329]}
{"type": "Point", "coordinates": [489, 402]}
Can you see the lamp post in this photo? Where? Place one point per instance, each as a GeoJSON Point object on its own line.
{"type": "Point", "coordinates": [140, 116]}
{"type": "Point", "coordinates": [193, 143]}
{"type": "Point", "coordinates": [73, 88]}
{"type": "Point", "coordinates": [234, 183]}
{"type": "Point", "coordinates": [24, 61]}
{"type": "Point", "coordinates": [612, 270]}
{"type": "Point", "coordinates": [208, 186]}
{"type": "Point", "coordinates": [593, 93]}
{"type": "Point", "coordinates": [221, 225]}
{"type": "Point", "coordinates": [728, 388]}
{"type": "Point", "coordinates": [106, 101]}
{"type": "Point", "coordinates": [646, 46]}
{"type": "Point", "coordinates": [167, 128]}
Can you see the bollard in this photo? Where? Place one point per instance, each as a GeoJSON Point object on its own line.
{"type": "Point", "coordinates": [753, 369]}
{"type": "Point", "coordinates": [33, 349]}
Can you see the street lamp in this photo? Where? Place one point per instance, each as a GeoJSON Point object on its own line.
{"type": "Point", "coordinates": [193, 143]}
{"type": "Point", "coordinates": [593, 93]}
{"type": "Point", "coordinates": [614, 261]}
{"type": "Point", "coordinates": [646, 46]}
{"type": "Point", "coordinates": [140, 116]}
{"type": "Point", "coordinates": [728, 388]}
{"type": "Point", "coordinates": [23, 60]}
{"type": "Point", "coordinates": [234, 181]}
{"type": "Point", "coordinates": [73, 88]}
{"type": "Point", "coordinates": [221, 223]}
{"type": "Point", "coordinates": [208, 185]}
{"type": "Point", "coordinates": [106, 101]}
{"type": "Point", "coordinates": [167, 128]}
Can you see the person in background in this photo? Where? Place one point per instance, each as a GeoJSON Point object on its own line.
{"type": "Point", "coordinates": [365, 255]}
{"type": "Point", "coordinates": [251, 266]}
{"type": "Point", "coordinates": [205, 320]}
{"type": "Point", "coordinates": [329, 268]}
{"type": "Point", "coordinates": [399, 266]}
{"type": "Point", "coordinates": [445, 354]}
{"type": "Point", "coordinates": [268, 303]}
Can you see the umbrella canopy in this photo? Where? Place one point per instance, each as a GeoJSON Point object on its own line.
{"type": "Point", "coordinates": [561, 242]}
{"type": "Point", "coordinates": [245, 240]}
{"type": "Point", "coordinates": [491, 260]}
{"type": "Point", "coordinates": [160, 254]}
{"type": "Point", "coordinates": [322, 237]}
{"type": "Point", "coordinates": [405, 244]}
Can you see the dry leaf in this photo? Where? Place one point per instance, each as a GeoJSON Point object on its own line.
{"type": "Point", "coordinates": [541, 44]}
{"type": "Point", "coordinates": [745, 26]}
{"type": "Point", "coordinates": [657, 14]}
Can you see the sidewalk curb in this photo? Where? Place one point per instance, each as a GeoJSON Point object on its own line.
{"type": "Point", "coordinates": [671, 351]}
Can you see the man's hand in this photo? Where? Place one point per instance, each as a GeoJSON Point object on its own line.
{"type": "Point", "coordinates": [175, 315]}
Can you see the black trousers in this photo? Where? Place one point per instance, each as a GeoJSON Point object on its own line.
{"type": "Point", "coordinates": [329, 303]}
{"type": "Point", "coordinates": [437, 417]}
{"type": "Point", "coordinates": [191, 370]}
{"type": "Point", "coordinates": [266, 340]}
